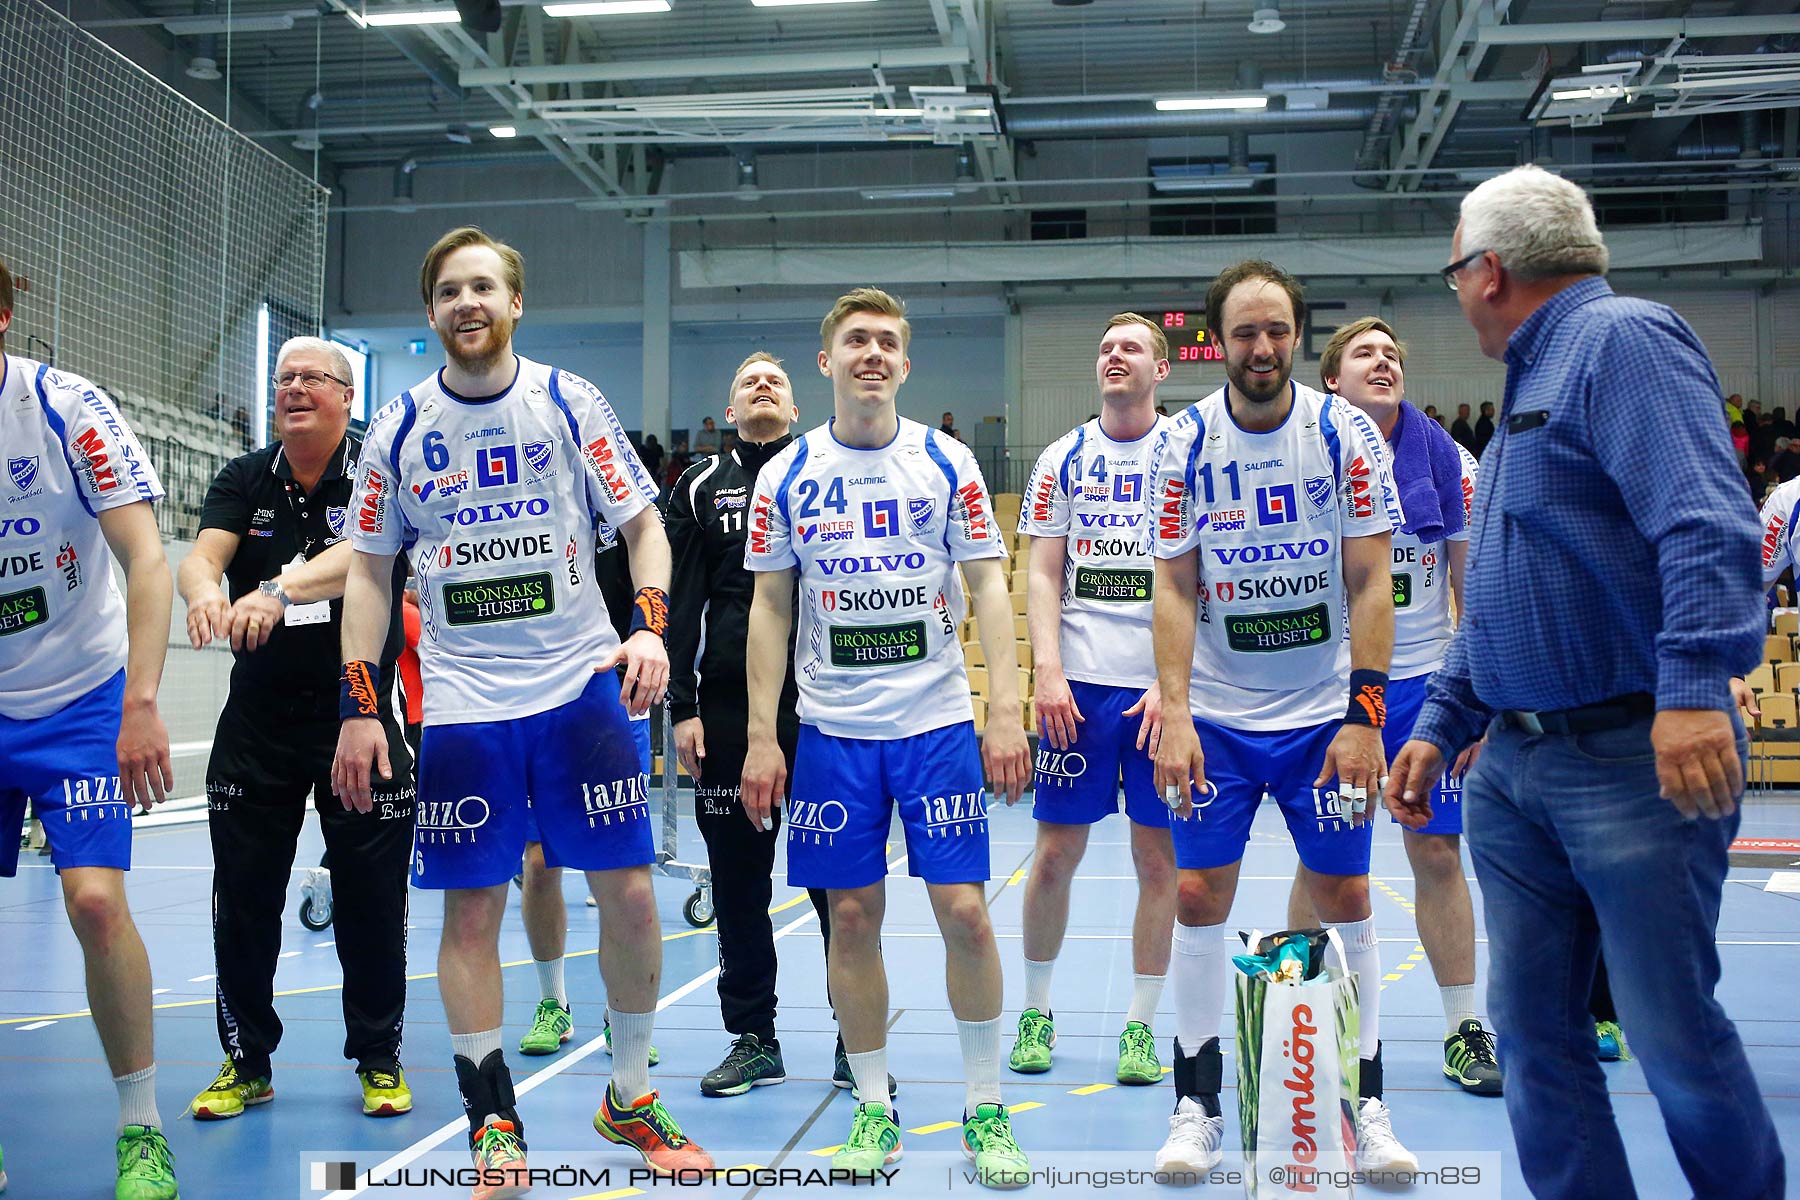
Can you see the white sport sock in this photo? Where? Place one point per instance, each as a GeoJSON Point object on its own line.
{"type": "Point", "coordinates": [550, 980]}
{"type": "Point", "coordinates": [137, 1099]}
{"type": "Point", "coordinates": [981, 1062]}
{"type": "Point", "coordinates": [1459, 1005]}
{"type": "Point", "coordinates": [1146, 994]}
{"type": "Point", "coordinates": [476, 1046]}
{"type": "Point", "coordinates": [1363, 953]}
{"type": "Point", "coordinates": [1037, 984]}
{"type": "Point", "coordinates": [1198, 966]}
{"type": "Point", "coordinates": [869, 1069]}
{"type": "Point", "coordinates": [631, 1053]}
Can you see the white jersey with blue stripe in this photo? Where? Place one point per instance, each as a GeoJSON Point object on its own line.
{"type": "Point", "coordinates": [875, 536]}
{"type": "Point", "coordinates": [69, 457]}
{"type": "Point", "coordinates": [1267, 514]}
{"type": "Point", "coordinates": [1091, 490]}
{"type": "Point", "coordinates": [496, 500]}
{"type": "Point", "coordinates": [1780, 512]}
{"type": "Point", "coordinates": [1422, 625]}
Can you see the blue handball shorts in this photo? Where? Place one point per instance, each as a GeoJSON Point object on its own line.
{"type": "Point", "coordinates": [840, 804]}
{"type": "Point", "coordinates": [67, 765]}
{"type": "Point", "coordinates": [1242, 766]}
{"type": "Point", "coordinates": [1405, 697]}
{"type": "Point", "coordinates": [575, 767]}
{"type": "Point", "coordinates": [640, 733]}
{"type": "Point", "coordinates": [1080, 785]}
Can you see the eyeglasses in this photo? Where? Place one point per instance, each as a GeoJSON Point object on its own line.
{"type": "Point", "coordinates": [312, 381]}
{"type": "Point", "coordinates": [1449, 272]}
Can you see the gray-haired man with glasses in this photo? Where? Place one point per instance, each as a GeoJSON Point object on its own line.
{"type": "Point", "coordinates": [273, 526]}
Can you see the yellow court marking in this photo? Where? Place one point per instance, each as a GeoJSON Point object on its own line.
{"type": "Point", "coordinates": [338, 987]}
{"type": "Point", "coordinates": [1391, 978]}
{"type": "Point", "coordinates": [613, 1195]}
{"type": "Point", "coordinates": [1016, 877]}
{"type": "Point", "coordinates": [1090, 1089]}
{"type": "Point", "coordinates": [1025, 1107]}
{"type": "Point", "coordinates": [745, 1167]}
{"type": "Point", "coordinates": [1406, 966]}
{"type": "Point", "coordinates": [937, 1128]}
{"type": "Point", "coordinates": [825, 1151]}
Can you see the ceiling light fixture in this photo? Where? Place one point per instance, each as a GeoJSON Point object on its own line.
{"type": "Point", "coordinates": [909, 193]}
{"type": "Point", "coordinates": [1211, 103]}
{"type": "Point", "coordinates": [202, 67]}
{"type": "Point", "coordinates": [1266, 20]}
{"type": "Point", "coordinates": [197, 26]}
{"type": "Point", "coordinates": [747, 190]}
{"type": "Point", "coordinates": [416, 16]}
{"type": "Point", "coordinates": [801, 3]}
{"type": "Point", "coordinates": [503, 131]}
{"type": "Point", "coordinates": [606, 8]}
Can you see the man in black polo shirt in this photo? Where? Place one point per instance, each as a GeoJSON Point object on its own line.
{"type": "Point", "coordinates": [709, 606]}
{"type": "Point", "coordinates": [273, 526]}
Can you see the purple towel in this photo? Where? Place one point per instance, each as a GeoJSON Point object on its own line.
{"type": "Point", "coordinates": [1428, 476]}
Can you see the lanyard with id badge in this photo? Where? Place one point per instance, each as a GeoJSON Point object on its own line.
{"type": "Point", "coordinates": [319, 611]}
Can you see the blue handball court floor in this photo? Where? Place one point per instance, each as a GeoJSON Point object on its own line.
{"type": "Point", "coordinates": [1085, 1133]}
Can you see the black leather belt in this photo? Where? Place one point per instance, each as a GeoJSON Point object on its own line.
{"type": "Point", "coordinates": [1615, 713]}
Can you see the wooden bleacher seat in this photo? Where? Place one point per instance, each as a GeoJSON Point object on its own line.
{"type": "Point", "coordinates": [973, 654]}
{"type": "Point", "coordinates": [978, 681]}
{"type": "Point", "coordinates": [1787, 676]}
{"type": "Point", "coordinates": [1020, 630]}
{"type": "Point", "coordinates": [980, 713]}
{"type": "Point", "coordinates": [1779, 711]}
{"type": "Point", "coordinates": [1778, 648]}
{"type": "Point", "coordinates": [1762, 679]}
{"type": "Point", "coordinates": [1023, 650]}
{"type": "Point", "coordinates": [1011, 538]}
{"type": "Point", "coordinates": [1786, 624]}
{"type": "Point", "coordinates": [1018, 599]}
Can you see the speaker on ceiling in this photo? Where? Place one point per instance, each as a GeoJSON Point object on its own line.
{"type": "Point", "coordinates": [479, 16]}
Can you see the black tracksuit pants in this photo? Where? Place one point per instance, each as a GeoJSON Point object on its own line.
{"type": "Point", "coordinates": [264, 762]}
{"type": "Point", "coordinates": [742, 858]}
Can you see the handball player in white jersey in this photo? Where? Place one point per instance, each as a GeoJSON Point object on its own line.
{"type": "Point", "coordinates": [1274, 624]}
{"type": "Point", "coordinates": [873, 514]}
{"type": "Point", "coordinates": [492, 474]}
{"type": "Point", "coordinates": [1099, 712]}
{"type": "Point", "coordinates": [80, 736]}
{"type": "Point", "coordinates": [1434, 477]}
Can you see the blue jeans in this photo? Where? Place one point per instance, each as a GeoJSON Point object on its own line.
{"type": "Point", "coordinates": [1576, 850]}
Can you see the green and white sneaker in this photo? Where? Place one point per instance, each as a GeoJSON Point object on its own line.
{"type": "Point", "coordinates": [2, 1170]}
{"type": "Point", "coordinates": [988, 1141]}
{"type": "Point", "coordinates": [1031, 1050]}
{"type": "Point", "coordinates": [146, 1165]}
{"type": "Point", "coordinates": [874, 1140]}
{"type": "Point", "coordinates": [1138, 1064]}
{"type": "Point", "coordinates": [551, 1026]}
{"type": "Point", "coordinates": [606, 1032]}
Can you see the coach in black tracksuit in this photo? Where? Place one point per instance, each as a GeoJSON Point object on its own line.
{"type": "Point", "coordinates": [275, 525]}
{"type": "Point", "coordinates": [709, 605]}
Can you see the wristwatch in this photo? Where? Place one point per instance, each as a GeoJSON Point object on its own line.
{"type": "Point", "coordinates": [272, 587]}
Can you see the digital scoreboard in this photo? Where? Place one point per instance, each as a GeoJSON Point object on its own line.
{"type": "Point", "coordinates": [1188, 342]}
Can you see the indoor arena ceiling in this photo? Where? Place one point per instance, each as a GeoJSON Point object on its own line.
{"type": "Point", "coordinates": [1423, 94]}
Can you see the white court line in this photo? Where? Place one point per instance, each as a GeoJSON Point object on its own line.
{"type": "Point", "coordinates": [176, 748]}
{"type": "Point", "coordinates": [160, 991]}
{"type": "Point", "coordinates": [203, 979]}
{"type": "Point", "coordinates": [323, 945]}
{"type": "Point", "coordinates": [1783, 881]}
{"type": "Point", "coordinates": [438, 1136]}
{"type": "Point", "coordinates": [34, 1025]}
{"type": "Point", "coordinates": [290, 954]}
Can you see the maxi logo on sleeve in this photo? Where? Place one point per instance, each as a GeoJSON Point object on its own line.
{"type": "Point", "coordinates": [484, 601]}
{"type": "Point", "coordinates": [1265, 633]}
{"type": "Point", "coordinates": [877, 645]}
{"type": "Point", "coordinates": [23, 610]}
{"type": "Point", "coordinates": [1113, 584]}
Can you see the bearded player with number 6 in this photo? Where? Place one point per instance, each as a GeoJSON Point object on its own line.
{"type": "Point", "coordinates": [491, 474]}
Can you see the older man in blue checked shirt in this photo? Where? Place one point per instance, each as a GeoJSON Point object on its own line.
{"type": "Point", "coordinates": [1612, 594]}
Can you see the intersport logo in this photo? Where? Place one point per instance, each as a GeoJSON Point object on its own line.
{"type": "Point", "coordinates": [869, 563]}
